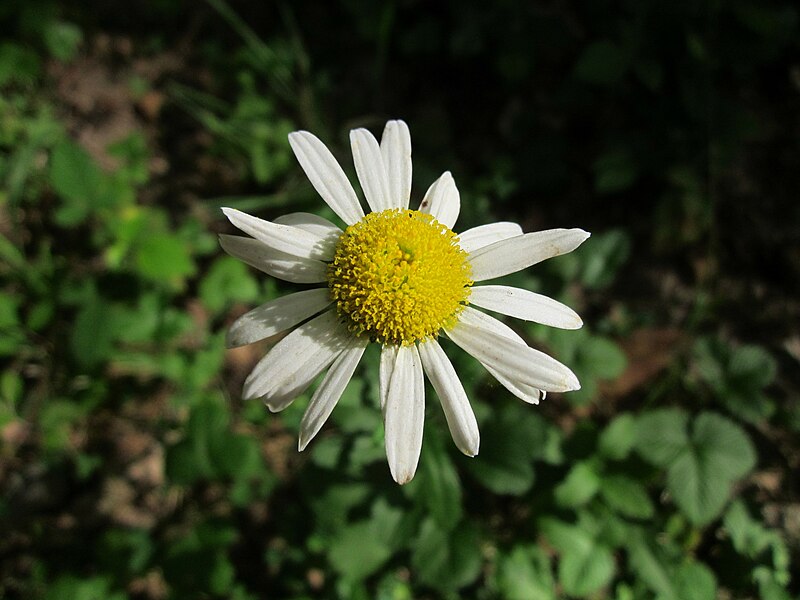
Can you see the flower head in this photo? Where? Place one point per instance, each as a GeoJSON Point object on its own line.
{"type": "Point", "coordinates": [399, 278]}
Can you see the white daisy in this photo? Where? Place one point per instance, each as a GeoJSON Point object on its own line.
{"type": "Point", "coordinates": [400, 278]}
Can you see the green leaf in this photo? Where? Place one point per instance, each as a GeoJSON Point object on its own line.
{"type": "Point", "coordinates": [447, 561]}
{"type": "Point", "coordinates": [648, 563]}
{"type": "Point", "coordinates": [164, 257]}
{"type": "Point", "coordinates": [580, 486]}
{"type": "Point", "coordinates": [526, 573]}
{"type": "Point", "coordinates": [695, 581]}
{"type": "Point", "coordinates": [626, 496]}
{"type": "Point", "coordinates": [77, 179]}
{"type": "Point", "coordinates": [661, 435]}
{"type": "Point", "coordinates": [228, 280]}
{"type": "Point", "coordinates": [602, 357]}
{"type": "Point", "coordinates": [437, 486]}
{"type": "Point", "coordinates": [700, 478]}
{"type": "Point", "coordinates": [363, 547]}
{"type": "Point", "coordinates": [509, 442]}
{"type": "Point", "coordinates": [62, 39]}
{"type": "Point", "coordinates": [619, 437]}
{"type": "Point", "coordinates": [585, 565]}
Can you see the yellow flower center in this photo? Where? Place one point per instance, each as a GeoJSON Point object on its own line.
{"type": "Point", "coordinates": [399, 276]}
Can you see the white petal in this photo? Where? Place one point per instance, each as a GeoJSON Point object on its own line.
{"type": "Point", "coordinates": [526, 393]}
{"type": "Point", "coordinates": [283, 238]}
{"type": "Point", "coordinates": [330, 390]}
{"type": "Point", "coordinates": [396, 152]}
{"type": "Point", "coordinates": [388, 358]}
{"type": "Point", "coordinates": [405, 414]}
{"type": "Point", "coordinates": [483, 235]}
{"type": "Point", "coordinates": [442, 200]}
{"type": "Point", "coordinates": [310, 222]}
{"type": "Point", "coordinates": [293, 363]}
{"type": "Point", "coordinates": [326, 175]}
{"type": "Point", "coordinates": [518, 362]}
{"type": "Point", "coordinates": [277, 316]}
{"type": "Point", "coordinates": [456, 406]}
{"type": "Point", "coordinates": [278, 264]}
{"type": "Point", "coordinates": [517, 253]}
{"type": "Point", "coordinates": [526, 305]}
{"type": "Point", "coordinates": [371, 170]}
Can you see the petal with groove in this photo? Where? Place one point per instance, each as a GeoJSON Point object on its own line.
{"type": "Point", "coordinates": [283, 238]}
{"type": "Point", "coordinates": [455, 404]}
{"type": "Point", "coordinates": [405, 414]}
{"type": "Point", "coordinates": [371, 170]}
{"type": "Point", "coordinates": [278, 264]}
{"type": "Point", "coordinates": [483, 235]}
{"type": "Point", "coordinates": [442, 200]}
{"type": "Point", "coordinates": [276, 316]}
{"type": "Point", "coordinates": [326, 175]}
{"type": "Point", "coordinates": [396, 152]}
{"type": "Point", "coordinates": [526, 393]}
{"type": "Point", "coordinates": [293, 363]}
{"type": "Point", "coordinates": [517, 253]}
{"type": "Point", "coordinates": [526, 305]}
{"type": "Point", "coordinates": [330, 390]}
{"type": "Point", "coordinates": [518, 362]}
{"type": "Point", "coordinates": [388, 358]}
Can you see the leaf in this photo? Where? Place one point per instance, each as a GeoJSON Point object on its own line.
{"type": "Point", "coordinates": [626, 496]}
{"type": "Point", "coordinates": [580, 486]}
{"type": "Point", "coordinates": [228, 280]}
{"type": "Point", "coordinates": [661, 435]}
{"type": "Point", "coordinates": [437, 486]}
{"type": "Point", "coordinates": [649, 565]}
{"type": "Point", "coordinates": [447, 561]}
{"type": "Point", "coordinates": [619, 437]}
{"type": "Point", "coordinates": [163, 257]}
{"type": "Point", "coordinates": [700, 478]}
{"type": "Point", "coordinates": [363, 547]}
{"type": "Point", "coordinates": [509, 442]}
{"type": "Point", "coordinates": [695, 581]}
{"type": "Point", "coordinates": [77, 179]}
{"type": "Point", "coordinates": [526, 573]}
{"type": "Point", "coordinates": [585, 565]}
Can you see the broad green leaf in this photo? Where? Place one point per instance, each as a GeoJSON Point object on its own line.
{"type": "Point", "coordinates": [700, 478]}
{"type": "Point", "coordinates": [602, 357]}
{"type": "Point", "coordinates": [510, 441]}
{"type": "Point", "coordinates": [227, 281]}
{"type": "Point", "coordinates": [77, 179]}
{"type": "Point", "coordinates": [626, 496]}
{"type": "Point", "coordinates": [661, 435]}
{"type": "Point", "coordinates": [437, 486]}
{"type": "Point", "coordinates": [364, 546]}
{"type": "Point", "coordinates": [585, 565]}
{"type": "Point", "coordinates": [164, 257]}
{"type": "Point", "coordinates": [619, 437]}
{"type": "Point", "coordinates": [580, 486]}
{"type": "Point", "coordinates": [648, 563]}
{"type": "Point", "coordinates": [526, 573]}
{"type": "Point", "coordinates": [695, 581]}
{"type": "Point", "coordinates": [447, 561]}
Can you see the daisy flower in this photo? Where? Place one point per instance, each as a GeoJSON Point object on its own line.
{"type": "Point", "coordinates": [400, 278]}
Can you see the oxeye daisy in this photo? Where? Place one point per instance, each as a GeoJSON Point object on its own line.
{"type": "Point", "coordinates": [399, 278]}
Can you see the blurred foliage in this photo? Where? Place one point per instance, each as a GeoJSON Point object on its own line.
{"type": "Point", "coordinates": [130, 469]}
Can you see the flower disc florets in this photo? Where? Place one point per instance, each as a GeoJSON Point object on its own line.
{"type": "Point", "coordinates": [399, 276]}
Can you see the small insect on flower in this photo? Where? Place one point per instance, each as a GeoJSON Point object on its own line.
{"type": "Point", "coordinates": [399, 278]}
